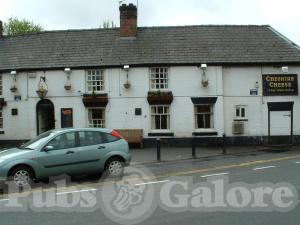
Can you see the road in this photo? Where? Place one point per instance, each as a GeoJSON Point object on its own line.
{"type": "Point", "coordinates": [269, 168]}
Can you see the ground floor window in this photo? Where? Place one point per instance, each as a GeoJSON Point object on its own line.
{"type": "Point", "coordinates": [240, 112]}
{"type": "Point", "coordinates": [160, 117]}
{"type": "Point", "coordinates": [204, 116]}
{"type": "Point", "coordinates": [96, 118]}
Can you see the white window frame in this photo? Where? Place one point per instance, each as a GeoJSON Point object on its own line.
{"type": "Point", "coordinates": [91, 78]}
{"type": "Point", "coordinates": [212, 119]}
{"type": "Point", "coordinates": [90, 121]}
{"type": "Point", "coordinates": [154, 129]}
{"type": "Point", "coordinates": [162, 80]}
{"type": "Point", "coordinates": [238, 112]}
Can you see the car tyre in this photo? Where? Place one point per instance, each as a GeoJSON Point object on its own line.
{"type": "Point", "coordinates": [21, 176]}
{"type": "Point", "coordinates": [114, 167]}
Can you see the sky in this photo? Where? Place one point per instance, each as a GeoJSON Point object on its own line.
{"type": "Point", "coordinates": [282, 15]}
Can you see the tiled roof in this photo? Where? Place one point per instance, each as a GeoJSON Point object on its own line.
{"type": "Point", "coordinates": [211, 44]}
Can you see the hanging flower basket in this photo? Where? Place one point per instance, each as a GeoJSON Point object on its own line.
{"type": "Point", "coordinates": [68, 87]}
{"type": "Point", "coordinates": [95, 100]}
{"type": "Point", "coordinates": [13, 88]}
{"type": "Point", "coordinates": [158, 97]}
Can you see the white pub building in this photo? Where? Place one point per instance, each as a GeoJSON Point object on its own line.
{"type": "Point", "coordinates": [172, 82]}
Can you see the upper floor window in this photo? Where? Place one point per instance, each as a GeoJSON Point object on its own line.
{"type": "Point", "coordinates": [159, 78]}
{"type": "Point", "coordinates": [95, 80]}
{"type": "Point", "coordinates": [240, 112]}
{"type": "Point", "coordinates": [204, 116]}
{"type": "Point", "coordinates": [1, 88]}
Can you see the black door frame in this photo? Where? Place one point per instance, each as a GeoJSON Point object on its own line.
{"type": "Point", "coordinates": [280, 106]}
{"type": "Point", "coordinates": [38, 105]}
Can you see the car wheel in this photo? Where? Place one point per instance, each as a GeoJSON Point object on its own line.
{"type": "Point", "coordinates": [21, 176]}
{"type": "Point", "coordinates": [114, 167]}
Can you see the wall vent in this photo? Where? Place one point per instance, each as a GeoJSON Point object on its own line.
{"type": "Point", "coordinates": [238, 127]}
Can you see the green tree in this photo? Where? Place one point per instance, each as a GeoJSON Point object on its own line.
{"type": "Point", "coordinates": [108, 24]}
{"type": "Point", "coordinates": [15, 26]}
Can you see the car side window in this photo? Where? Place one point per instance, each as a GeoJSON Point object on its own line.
{"type": "Point", "coordinates": [63, 141]}
{"type": "Point", "coordinates": [88, 138]}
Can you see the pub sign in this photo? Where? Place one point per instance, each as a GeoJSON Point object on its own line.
{"type": "Point", "coordinates": [280, 84]}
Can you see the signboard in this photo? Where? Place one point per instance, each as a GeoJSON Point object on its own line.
{"type": "Point", "coordinates": [66, 117]}
{"type": "Point", "coordinates": [281, 84]}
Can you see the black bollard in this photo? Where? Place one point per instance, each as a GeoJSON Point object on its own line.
{"type": "Point", "coordinates": [224, 144]}
{"type": "Point", "coordinates": [194, 148]}
{"type": "Point", "coordinates": [158, 149]}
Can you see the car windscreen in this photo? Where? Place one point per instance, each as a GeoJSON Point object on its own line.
{"type": "Point", "coordinates": [34, 143]}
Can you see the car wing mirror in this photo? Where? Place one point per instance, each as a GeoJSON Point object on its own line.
{"type": "Point", "coordinates": [48, 148]}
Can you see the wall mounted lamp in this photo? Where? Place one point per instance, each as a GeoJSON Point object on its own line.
{"type": "Point", "coordinates": [204, 79]}
{"type": "Point", "coordinates": [126, 68]}
{"type": "Point", "coordinates": [68, 85]}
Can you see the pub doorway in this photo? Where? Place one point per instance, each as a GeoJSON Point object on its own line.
{"type": "Point", "coordinates": [45, 116]}
{"type": "Point", "coordinates": [280, 123]}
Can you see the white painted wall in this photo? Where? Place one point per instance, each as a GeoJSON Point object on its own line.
{"type": "Point", "coordinates": [237, 84]}
{"type": "Point", "coordinates": [230, 84]}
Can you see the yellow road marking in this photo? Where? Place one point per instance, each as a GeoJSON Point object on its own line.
{"type": "Point", "coordinates": [93, 185]}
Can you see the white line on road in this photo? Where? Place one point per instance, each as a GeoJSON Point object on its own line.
{"type": "Point", "coordinates": [70, 192]}
{"type": "Point", "coordinates": [4, 200]}
{"type": "Point", "coordinates": [153, 182]}
{"type": "Point", "coordinates": [297, 162]}
{"type": "Point", "coordinates": [216, 174]}
{"type": "Point", "coordinates": [264, 167]}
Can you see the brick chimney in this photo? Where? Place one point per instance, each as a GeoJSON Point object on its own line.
{"type": "Point", "coordinates": [1, 29]}
{"type": "Point", "coordinates": [128, 20]}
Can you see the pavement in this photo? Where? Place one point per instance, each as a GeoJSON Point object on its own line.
{"type": "Point", "coordinates": [149, 155]}
{"type": "Point", "coordinates": [265, 168]}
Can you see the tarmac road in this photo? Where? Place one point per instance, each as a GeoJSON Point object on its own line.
{"type": "Point", "coordinates": [249, 169]}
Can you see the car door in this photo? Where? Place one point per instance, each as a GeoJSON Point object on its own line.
{"type": "Point", "coordinates": [63, 156]}
{"type": "Point", "coordinates": [92, 148]}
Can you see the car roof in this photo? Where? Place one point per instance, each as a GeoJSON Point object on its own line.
{"type": "Point", "coordinates": [63, 130]}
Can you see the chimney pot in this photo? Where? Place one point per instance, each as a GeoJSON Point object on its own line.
{"type": "Point", "coordinates": [128, 20]}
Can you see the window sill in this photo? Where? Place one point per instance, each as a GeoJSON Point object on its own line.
{"type": "Point", "coordinates": [160, 133]}
{"type": "Point", "coordinates": [244, 119]}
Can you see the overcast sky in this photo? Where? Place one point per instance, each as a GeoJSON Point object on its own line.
{"type": "Point", "coordinates": [283, 15]}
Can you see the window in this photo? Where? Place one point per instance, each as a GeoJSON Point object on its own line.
{"type": "Point", "coordinates": [204, 116]}
{"type": "Point", "coordinates": [159, 78]}
{"type": "Point", "coordinates": [160, 118]}
{"type": "Point", "coordinates": [96, 118]}
{"type": "Point", "coordinates": [1, 120]}
{"type": "Point", "coordinates": [88, 138]}
{"type": "Point", "coordinates": [240, 112]}
{"type": "Point", "coordinates": [63, 141]}
{"type": "Point", "coordinates": [95, 80]}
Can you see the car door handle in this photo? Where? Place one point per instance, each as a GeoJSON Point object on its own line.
{"type": "Point", "coordinates": [101, 147]}
{"type": "Point", "coordinates": [70, 152]}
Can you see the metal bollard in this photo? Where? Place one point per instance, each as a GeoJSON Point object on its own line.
{"type": "Point", "coordinates": [224, 144]}
{"type": "Point", "coordinates": [194, 148]}
{"type": "Point", "coordinates": [158, 149]}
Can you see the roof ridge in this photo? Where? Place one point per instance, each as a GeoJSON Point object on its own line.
{"type": "Point", "coordinates": [141, 27]}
